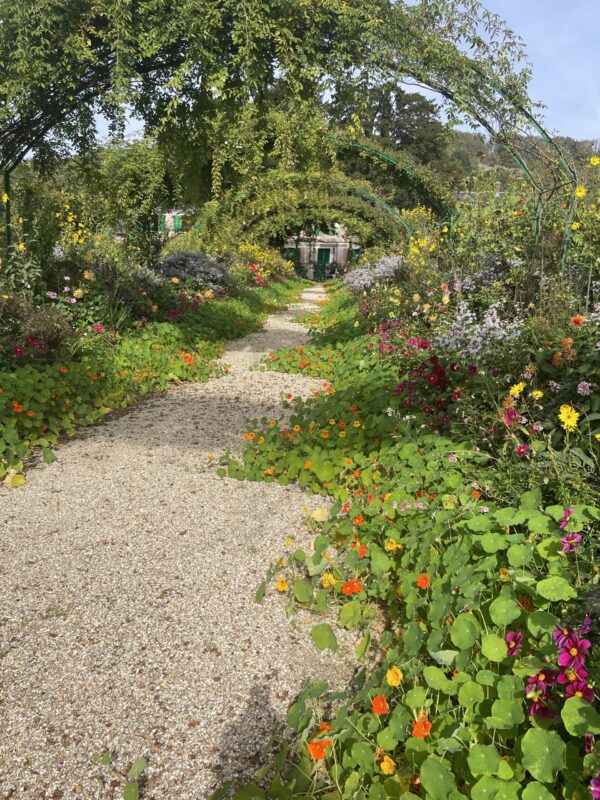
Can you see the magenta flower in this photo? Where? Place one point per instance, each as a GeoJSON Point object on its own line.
{"type": "Point", "coordinates": [586, 625]}
{"type": "Point", "coordinates": [571, 675]}
{"type": "Point", "coordinates": [565, 518]}
{"type": "Point", "coordinates": [595, 787]}
{"type": "Point", "coordinates": [539, 684]}
{"type": "Point", "coordinates": [580, 689]}
{"type": "Point", "coordinates": [522, 450]}
{"type": "Point", "coordinates": [514, 642]}
{"type": "Point", "coordinates": [589, 743]}
{"type": "Point", "coordinates": [98, 327]}
{"type": "Point", "coordinates": [574, 651]}
{"type": "Point", "coordinates": [18, 351]}
{"type": "Point", "coordinates": [540, 709]}
{"type": "Point", "coordinates": [561, 635]}
{"type": "Point", "coordinates": [511, 417]}
{"type": "Point", "coordinates": [571, 542]}
{"type": "Point", "coordinates": [584, 388]}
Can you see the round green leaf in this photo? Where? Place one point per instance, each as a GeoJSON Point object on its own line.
{"type": "Point", "coordinates": [470, 694]}
{"type": "Point", "coordinates": [324, 637]}
{"type": "Point", "coordinates": [464, 631]}
{"type": "Point", "coordinates": [580, 717]}
{"type": "Point", "coordinates": [519, 554]}
{"type": "Point", "coordinates": [493, 647]}
{"type": "Point", "coordinates": [483, 759]}
{"type": "Point", "coordinates": [415, 697]}
{"type": "Point", "coordinates": [504, 610]}
{"type": "Point", "coordinates": [544, 754]}
{"type": "Point", "coordinates": [436, 778]}
{"type": "Point", "coordinates": [556, 588]}
{"type": "Point", "coordinates": [536, 791]}
{"type": "Point", "coordinates": [492, 542]}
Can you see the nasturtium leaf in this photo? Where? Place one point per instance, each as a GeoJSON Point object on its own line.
{"type": "Point", "coordinates": [435, 678]}
{"type": "Point", "coordinates": [544, 754]}
{"type": "Point", "coordinates": [17, 480]}
{"type": "Point", "coordinates": [483, 759]}
{"type": "Point", "coordinates": [362, 647]}
{"type": "Point", "coordinates": [493, 647]}
{"type": "Point", "coordinates": [519, 554]}
{"type": "Point", "coordinates": [250, 792]}
{"type": "Point", "coordinates": [556, 588]}
{"type": "Point", "coordinates": [470, 694]}
{"type": "Point", "coordinates": [531, 499]}
{"type": "Point", "coordinates": [580, 717]}
{"type": "Point", "coordinates": [380, 562]}
{"type": "Point", "coordinates": [363, 755]}
{"type": "Point", "coordinates": [350, 614]}
{"type": "Point", "coordinates": [536, 791]}
{"type": "Point", "coordinates": [492, 542]}
{"type": "Point", "coordinates": [413, 637]}
{"type": "Point", "coordinates": [131, 791]}
{"type": "Point", "coordinates": [486, 677]}
{"type": "Point", "coordinates": [540, 523]}
{"type": "Point", "coordinates": [540, 622]}
{"type": "Point", "coordinates": [386, 739]}
{"type": "Point", "coordinates": [320, 514]}
{"type": "Point", "coordinates": [436, 778]}
{"type": "Point", "coordinates": [510, 516]}
{"type": "Point", "coordinates": [464, 631]}
{"type": "Point", "coordinates": [303, 590]}
{"type": "Point", "coordinates": [415, 698]}
{"type": "Point", "coordinates": [550, 548]}
{"type": "Point", "coordinates": [506, 714]}
{"type": "Point", "coordinates": [485, 789]}
{"type": "Point", "coordinates": [479, 523]}
{"type": "Point", "coordinates": [444, 657]}
{"type": "Point", "coordinates": [136, 769]}
{"type": "Point", "coordinates": [324, 637]}
{"type": "Point", "coordinates": [504, 610]}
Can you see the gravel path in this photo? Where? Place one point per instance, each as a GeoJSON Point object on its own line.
{"type": "Point", "coordinates": [127, 577]}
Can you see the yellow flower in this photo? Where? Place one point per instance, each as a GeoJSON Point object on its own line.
{"type": "Point", "coordinates": [537, 394]}
{"type": "Point", "coordinates": [211, 457]}
{"type": "Point", "coordinates": [5, 197]}
{"type": "Point", "coordinates": [597, 437]}
{"type": "Point", "coordinates": [272, 423]}
{"type": "Point", "coordinates": [388, 767]}
{"type": "Point", "coordinates": [516, 390]}
{"type": "Point", "coordinates": [332, 422]}
{"type": "Point", "coordinates": [78, 293]}
{"type": "Point", "coordinates": [391, 544]}
{"type": "Point", "coordinates": [394, 676]}
{"type": "Point", "coordinates": [282, 585]}
{"type": "Point", "coordinates": [209, 294]}
{"type": "Point", "coordinates": [580, 191]}
{"type": "Point", "coordinates": [327, 580]}
{"type": "Point", "coordinates": [342, 434]}
{"type": "Point", "coordinates": [416, 298]}
{"type": "Point", "coordinates": [175, 280]}
{"type": "Point", "coordinates": [445, 298]}
{"type": "Point", "coordinates": [356, 423]}
{"type": "Point", "coordinates": [576, 225]}
{"type": "Point", "coordinates": [594, 161]}
{"type": "Point", "coordinates": [154, 309]}
{"type": "Point", "coordinates": [568, 417]}
{"type": "Point", "coordinates": [348, 462]}
{"type": "Point", "coordinates": [21, 247]}
{"type": "Point", "coordinates": [88, 275]}
{"type": "Point", "coordinates": [261, 439]}
{"type": "Point", "coordinates": [325, 434]}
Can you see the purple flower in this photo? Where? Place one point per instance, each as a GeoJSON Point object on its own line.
{"type": "Point", "coordinates": [540, 683]}
{"type": "Point", "coordinates": [51, 295]}
{"type": "Point", "coordinates": [580, 689]}
{"type": "Point", "coordinates": [586, 625]}
{"type": "Point", "coordinates": [595, 787]}
{"type": "Point", "coordinates": [452, 459]}
{"type": "Point", "coordinates": [536, 427]}
{"type": "Point", "coordinates": [565, 518]}
{"type": "Point", "coordinates": [522, 450]}
{"type": "Point", "coordinates": [584, 388]}
{"type": "Point", "coordinates": [573, 652]}
{"type": "Point", "coordinates": [540, 709]}
{"type": "Point", "coordinates": [571, 542]}
{"type": "Point", "coordinates": [561, 635]}
{"type": "Point", "coordinates": [514, 642]}
{"type": "Point", "coordinates": [571, 675]}
{"type": "Point", "coordinates": [472, 369]}
{"type": "Point", "coordinates": [18, 351]}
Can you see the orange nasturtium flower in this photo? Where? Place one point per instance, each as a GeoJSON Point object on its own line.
{"type": "Point", "coordinates": [358, 520]}
{"type": "Point", "coordinates": [352, 587]}
{"type": "Point", "coordinates": [422, 726]}
{"type": "Point", "coordinates": [423, 581]}
{"type": "Point", "coordinates": [577, 321]}
{"type": "Point", "coordinates": [380, 705]}
{"type": "Point", "coordinates": [17, 408]}
{"type": "Point", "coordinates": [282, 585]}
{"type": "Point", "coordinates": [316, 748]}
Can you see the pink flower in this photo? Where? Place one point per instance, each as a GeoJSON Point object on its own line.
{"type": "Point", "coordinates": [511, 417]}
{"type": "Point", "coordinates": [522, 450]}
{"type": "Point", "coordinates": [514, 642]}
{"type": "Point", "coordinates": [580, 689]}
{"type": "Point", "coordinates": [571, 542]}
{"type": "Point", "coordinates": [98, 327]}
{"type": "Point", "coordinates": [573, 652]}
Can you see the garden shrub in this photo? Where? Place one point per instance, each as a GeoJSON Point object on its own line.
{"type": "Point", "coordinates": [202, 270]}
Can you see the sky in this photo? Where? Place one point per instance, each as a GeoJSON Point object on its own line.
{"type": "Point", "coordinates": [562, 40]}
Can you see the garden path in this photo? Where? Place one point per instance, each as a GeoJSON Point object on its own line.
{"type": "Point", "coordinates": [127, 581]}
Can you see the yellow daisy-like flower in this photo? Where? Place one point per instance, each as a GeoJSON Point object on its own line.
{"type": "Point", "coordinates": [416, 298]}
{"type": "Point", "coordinates": [595, 161]}
{"type": "Point", "coordinates": [356, 423]}
{"type": "Point", "coordinates": [78, 293]}
{"type": "Point", "coordinates": [580, 192]}
{"type": "Point", "coordinates": [5, 197]}
{"type": "Point", "coordinates": [576, 225]}
{"type": "Point", "coordinates": [597, 437]}
{"type": "Point", "coordinates": [154, 309]}
{"type": "Point", "coordinates": [394, 676]}
{"type": "Point", "coordinates": [445, 298]}
{"type": "Point", "coordinates": [332, 422]}
{"type": "Point", "coordinates": [517, 389]}
{"type": "Point", "coordinates": [568, 417]}
{"type": "Point", "coordinates": [21, 247]}
{"type": "Point", "coordinates": [390, 545]}
{"type": "Point", "coordinates": [342, 434]}
{"type": "Point", "coordinates": [175, 280]}
{"type": "Point", "coordinates": [327, 580]}
{"type": "Point", "coordinates": [537, 394]}
{"type": "Point", "coordinates": [388, 766]}
{"type": "Point", "coordinates": [282, 585]}
{"type": "Point", "coordinates": [88, 275]}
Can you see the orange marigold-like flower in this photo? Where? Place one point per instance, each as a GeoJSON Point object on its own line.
{"type": "Point", "coordinates": [64, 370]}
{"type": "Point", "coordinates": [577, 321]}
{"type": "Point", "coordinates": [358, 520]}
{"type": "Point", "coordinates": [421, 727]}
{"type": "Point", "coordinates": [476, 494]}
{"type": "Point", "coordinates": [317, 747]}
{"type": "Point", "coordinates": [423, 581]}
{"type": "Point", "coordinates": [380, 705]}
{"type": "Point", "coordinates": [325, 727]}
{"type": "Point", "coordinates": [352, 587]}
{"type": "Point", "coordinates": [17, 407]}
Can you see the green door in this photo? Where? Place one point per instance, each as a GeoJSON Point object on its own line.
{"type": "Point", "coordinates": [323, 256]}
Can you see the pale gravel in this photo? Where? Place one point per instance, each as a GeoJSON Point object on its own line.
{"type": "Point", "coordinates": [127, 579]}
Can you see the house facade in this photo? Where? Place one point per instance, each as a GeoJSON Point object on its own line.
{"type": "Point", "coordinates": [323, 254]}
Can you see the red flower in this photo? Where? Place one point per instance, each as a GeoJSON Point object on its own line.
{"type": "Point", "coordinates": [317, 748]}
{"type": "Point", "coordinates": [358, 520]}
{"type": "Point", "coordinates": [325, 727]}
{"type": "Point", "coordinates": [352, 587]}
{"type": "Point", "coordinates": [423, 581]}
{"type": "Point", "coordinates": [421, 727]}
{"type": "Point", "coordinates": [380, 705]}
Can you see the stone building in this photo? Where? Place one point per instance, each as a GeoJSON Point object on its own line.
{"type": "Point", "coordinates": [321, 255]}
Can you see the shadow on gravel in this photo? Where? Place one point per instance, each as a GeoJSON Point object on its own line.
{"type": "Point", "coordinates": [246, 743]}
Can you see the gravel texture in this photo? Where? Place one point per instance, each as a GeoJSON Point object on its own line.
{"type": "Point", "coordinates": [127, 579]}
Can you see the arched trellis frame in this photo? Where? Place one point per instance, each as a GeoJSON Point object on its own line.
{"type": "Point", "coordinates": [247, 192]}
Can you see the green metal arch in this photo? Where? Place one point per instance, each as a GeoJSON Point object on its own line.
{"type": "Point", "coordinates": [348, 185]}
